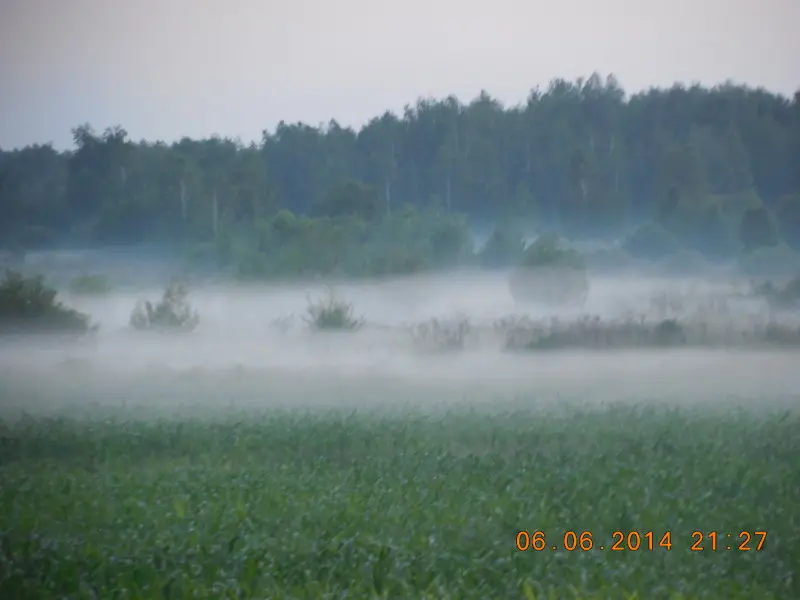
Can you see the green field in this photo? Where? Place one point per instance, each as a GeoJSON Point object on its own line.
{"type": "Point", "coordinates": [403, 504]}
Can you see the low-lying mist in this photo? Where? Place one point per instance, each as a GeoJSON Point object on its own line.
{"type": "Point", "coordinates": [254, 348]}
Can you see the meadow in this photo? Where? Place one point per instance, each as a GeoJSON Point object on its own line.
{"type": "Point", "coordinates": [239, 461]}
{"type": "Point", "coordinates": [331, 504]}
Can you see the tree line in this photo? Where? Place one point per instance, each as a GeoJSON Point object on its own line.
{"type": "Point", "coordinates": [718, 169]}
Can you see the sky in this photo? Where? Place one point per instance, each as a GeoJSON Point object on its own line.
{"type": "Point", "coordinates": [164, 69]}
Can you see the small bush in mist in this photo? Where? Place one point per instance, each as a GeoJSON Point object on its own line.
{"type": "Point", "coordinates": [172, 313]}
{"type": "Point", "coordinates": [28, 305]}
{"type": "Point", "coordinates": [332, 314]}
{"type": "Point", "coordinates": [90, 285]}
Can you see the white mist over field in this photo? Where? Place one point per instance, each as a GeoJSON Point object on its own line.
{"type": "Point", "coordinates": [254, 348]}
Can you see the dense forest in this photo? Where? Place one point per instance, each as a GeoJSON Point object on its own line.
{"type": "Point", "coordinates": [712, 171]}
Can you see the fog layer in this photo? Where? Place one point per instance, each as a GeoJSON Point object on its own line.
{"type": "Point", "coordinates": [254, 348]}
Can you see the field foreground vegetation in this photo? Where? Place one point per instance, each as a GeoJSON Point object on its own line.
{"type": "Point", "coordinates": [398, 504]}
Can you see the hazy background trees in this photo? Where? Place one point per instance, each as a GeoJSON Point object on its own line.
{"type": "Point", "coordinates": [717, 171]}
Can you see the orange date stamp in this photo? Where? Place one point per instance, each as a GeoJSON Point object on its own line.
{"type": "Point", "coordinates": [633, 541]}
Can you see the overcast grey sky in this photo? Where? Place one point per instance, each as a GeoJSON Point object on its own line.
{"type": "Point", "coordinates": [167, 68]}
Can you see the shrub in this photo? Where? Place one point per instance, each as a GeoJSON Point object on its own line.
{"type": "Point", "coordinates": [332, 313]}
{"type": "Point", "coordinates": [173, 312]}
{"type": "Point", "coordinates": [28, 305]}
{"type": "Point", "coordinates": [90, 285]}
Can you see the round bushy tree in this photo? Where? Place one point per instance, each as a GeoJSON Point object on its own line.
{"type": "Point", "coordinates": [27, 305]}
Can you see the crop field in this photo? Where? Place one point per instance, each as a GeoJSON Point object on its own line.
{"type": "Point", "coordinates": [248, 461]}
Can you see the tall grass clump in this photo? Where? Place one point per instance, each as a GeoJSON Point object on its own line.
{"type": "Point", "coordinates": [27, 305]}
{"type": "Point", "coordinates": [172, 313]}
{"type": "Point", "coordinates": [332, 313]}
